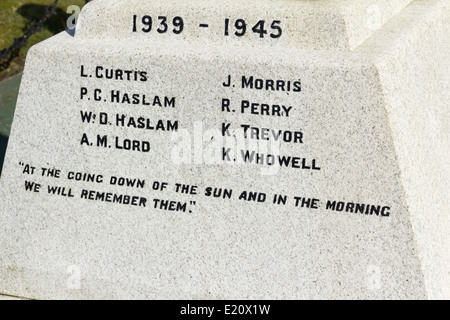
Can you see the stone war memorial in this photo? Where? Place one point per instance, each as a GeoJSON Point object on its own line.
{"type": "Point", "coordinates": [233, 150]}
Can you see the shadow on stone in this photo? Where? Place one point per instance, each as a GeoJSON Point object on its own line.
{"type": "Point", "coordinates": [3, 144]}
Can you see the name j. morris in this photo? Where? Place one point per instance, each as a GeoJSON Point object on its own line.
{"type": "Point", "coordinates": [117, 96]}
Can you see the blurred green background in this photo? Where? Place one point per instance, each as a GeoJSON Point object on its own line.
{"type": "Point", "coordinates": [16, 17]}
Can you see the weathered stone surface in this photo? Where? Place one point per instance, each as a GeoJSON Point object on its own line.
{"type": "Point", "coordinates": [361, 130]}
{"type": "Point", "coordinates": [311, 25]}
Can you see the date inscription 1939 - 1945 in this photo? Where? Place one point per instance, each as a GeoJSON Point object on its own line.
{"type": "Point", "coordinates": [231, 27]}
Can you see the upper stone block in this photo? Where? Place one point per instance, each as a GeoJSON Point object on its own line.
{"type": "Point", "coordinates": [302, 24]}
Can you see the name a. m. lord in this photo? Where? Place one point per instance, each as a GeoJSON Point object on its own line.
{"type": "Point", "coordinates": [119, 143]}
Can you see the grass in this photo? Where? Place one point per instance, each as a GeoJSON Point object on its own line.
{"type": "Point", "coordinates": [16, 16]}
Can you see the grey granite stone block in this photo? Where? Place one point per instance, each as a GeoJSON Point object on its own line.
{"type": "Point", "coordinates": [302, 157]}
